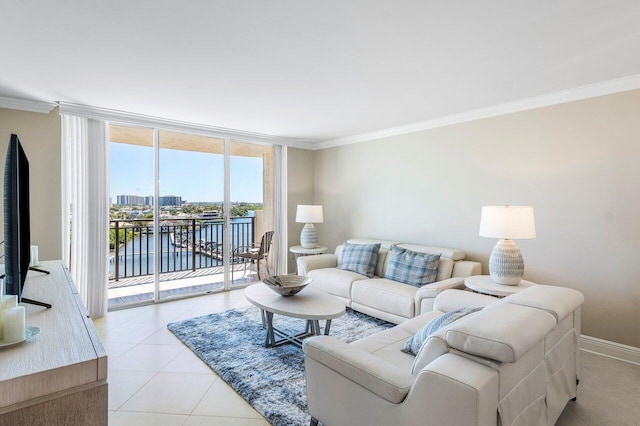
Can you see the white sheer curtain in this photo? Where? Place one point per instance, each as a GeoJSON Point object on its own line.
{"type": "Point", "coordinates": [85, 216]}
{"type": "Point", "coordinates": [280, 209]}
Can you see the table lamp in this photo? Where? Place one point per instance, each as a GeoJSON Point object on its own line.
{"type": "Point", "coordinates": [506, 265]}
{"type": "Point", "coordinates": [309, 215]}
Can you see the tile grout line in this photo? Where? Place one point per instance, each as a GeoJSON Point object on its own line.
{"type": "Point", "coordinates": [134, 393]}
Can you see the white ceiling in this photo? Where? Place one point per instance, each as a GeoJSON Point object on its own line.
{"type": "Point", "coordinates": [314, 70]}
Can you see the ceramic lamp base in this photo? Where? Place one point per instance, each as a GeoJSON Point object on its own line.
{"type": "Point", "coordinates": [309, 236]}
{"type": "Point", "coordinates": [506, 265]}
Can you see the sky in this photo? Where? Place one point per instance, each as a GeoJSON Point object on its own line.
{"type": "Point", "coordinates": [195, 176]}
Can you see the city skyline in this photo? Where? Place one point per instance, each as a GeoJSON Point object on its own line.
{"type": "Point", "coordinates": [163, 200]}
{"type": "Point", "coordinates": [194, 176]}
{"type": "Point", "coordinates": [166, 200]}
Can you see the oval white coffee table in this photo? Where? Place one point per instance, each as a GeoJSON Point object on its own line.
{"type": "Point", "coordinates": [310, 304]}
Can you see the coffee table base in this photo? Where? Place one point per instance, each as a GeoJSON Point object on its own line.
{"type": "Point", "coordinates": [312, 329]}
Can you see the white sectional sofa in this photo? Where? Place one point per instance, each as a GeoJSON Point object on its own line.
{"type": "Point", "coordinates": [515, 362]}
{"type": "Point", "coordinates": [380, 297]}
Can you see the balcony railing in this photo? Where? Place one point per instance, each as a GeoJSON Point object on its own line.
{"type": "Point", "coordinates": [185, 244]}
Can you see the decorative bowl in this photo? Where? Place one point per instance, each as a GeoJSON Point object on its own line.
{"type": "Point", "coordinates": [287, 285]}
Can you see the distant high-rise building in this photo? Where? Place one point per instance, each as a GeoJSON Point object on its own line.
{"type": "Point", "coordinates": [134, 200]}
{"type": "Point", "coordinates": [130, 200]}
{"type": "Point", "coordinates": [170, 200]}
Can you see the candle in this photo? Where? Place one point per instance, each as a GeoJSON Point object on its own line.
{"type": "Point", "coordinates": [14, 323]}
{"type": "Point", "coordinates": [8, 301]}
{"type": "Point", "coordinates": [34, 256]}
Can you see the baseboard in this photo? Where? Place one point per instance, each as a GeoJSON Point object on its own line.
{"type": "Point", "coordinates": [609, 349]}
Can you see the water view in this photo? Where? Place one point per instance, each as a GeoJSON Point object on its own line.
{"type": "Point", "coordinates": [185, 244]}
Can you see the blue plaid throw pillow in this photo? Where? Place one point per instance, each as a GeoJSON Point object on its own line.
{"type": "Point", "coordinates": [411, 267]}
{"type": "Point", "coordinates": [416, 341]}
{"type": "Point", "coordinates": [359, 258]}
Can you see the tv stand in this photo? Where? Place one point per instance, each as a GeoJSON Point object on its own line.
{"type": "Point", "coordinates": [59, 376]}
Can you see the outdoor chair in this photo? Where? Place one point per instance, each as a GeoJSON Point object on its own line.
{"type": "Point", "coordinates": [252, 254]}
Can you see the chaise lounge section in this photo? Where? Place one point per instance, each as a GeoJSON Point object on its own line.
{"type": "Point", "coordinates": [380, 297]}
{"type": "Point", "coordinates": [515, 362]}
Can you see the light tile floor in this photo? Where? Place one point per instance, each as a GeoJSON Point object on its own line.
{"type": "Point", "coordinates": [155, 380]}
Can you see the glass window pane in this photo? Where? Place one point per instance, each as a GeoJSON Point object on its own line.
{"type": "Point", "coordinates": [191, 174]}
{"type": "Point", "coordinates": [251, 194]}
{"type": "Point", "coordinates": [131, 263]}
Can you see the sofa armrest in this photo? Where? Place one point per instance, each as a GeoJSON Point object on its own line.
{"type": "Point", "coordinates": [309, 263]}
{"type": "Point", "coordinates": [428, 292]}
{"type": "Point", "coordinates": [370, 372]}
{"type": "Point", "coordinates": [466, 268]}
{"type": "Point", "coordinates": [457, 391]}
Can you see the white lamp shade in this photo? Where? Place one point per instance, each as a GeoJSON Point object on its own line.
{"type": "Point", "coordinates": [509, 222]}
{"type": "Point", "coordinates": [309, 214]}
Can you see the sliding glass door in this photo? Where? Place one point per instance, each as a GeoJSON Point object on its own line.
{"type": "Point", "coordinates": [195, 209]}
{"type": "Point", "coordinates": [251, 211]}
{"type": "Point", "coordinates": [190, 210]}
{"type": "Point", "coordinates": [131, 236]}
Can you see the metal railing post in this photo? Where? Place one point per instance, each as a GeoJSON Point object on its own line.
{"type": "Point", "coordinates": [116, 248]}
{"type": "Point", "coordinates": [139, 250]}
{"type": "Point", "coordinates": [193, 245]}
{"type": "Point", "coordinates": [253, 230]}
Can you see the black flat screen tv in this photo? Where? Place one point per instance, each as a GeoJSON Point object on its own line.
{"type": "Point", "coordinates": [17, 233]}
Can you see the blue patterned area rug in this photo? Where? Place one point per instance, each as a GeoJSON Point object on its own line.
{"type": "Point", "coordinates": [270, 379]}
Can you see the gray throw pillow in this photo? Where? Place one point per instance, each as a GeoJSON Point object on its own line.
{"type": "Point", "coordinates": [416, 341]}
{"type": "Point", "coordinates": [412, 267]}
{"type": "Point", "coordinates": [359, 258]}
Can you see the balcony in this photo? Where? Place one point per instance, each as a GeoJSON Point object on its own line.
{"type": "Point", "coordinates": [190, 261]}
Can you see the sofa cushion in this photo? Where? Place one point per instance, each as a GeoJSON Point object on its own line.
{"type": "Point", "coordinates": [413, 345]}
{"type": "Point", "coordinates": [386, 296]}
{"type": "Point", "coordinates": [334, 281]}
{"type": "Point", "coordinates": [411, 267]}
{"type": "Point", "coordinates": [386, 344]}
{"type": "Point", "coordinates": [501, 331]}
{"type": "Point", "coordinates": [359, 258]}
{"type": "Point", "coordinates": [445, 268]}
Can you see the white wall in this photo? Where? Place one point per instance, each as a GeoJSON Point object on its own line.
{"type": "Point", "coordinates": [39, 135]}
{"type": "Point", "coordinates": [578, 164]}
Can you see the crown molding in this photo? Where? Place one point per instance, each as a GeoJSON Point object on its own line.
{"type": "Point", "coordinates": [130, 118]}
{"type": "Point", "coordinates": [26, 105]}
{"type": "Point", "coordinates": [583, 92]}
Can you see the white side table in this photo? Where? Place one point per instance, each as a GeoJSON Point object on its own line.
{"type": "Point", "coordinates": [485, 285]}
{"type": "Point", "coordinates": [301, 251]}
